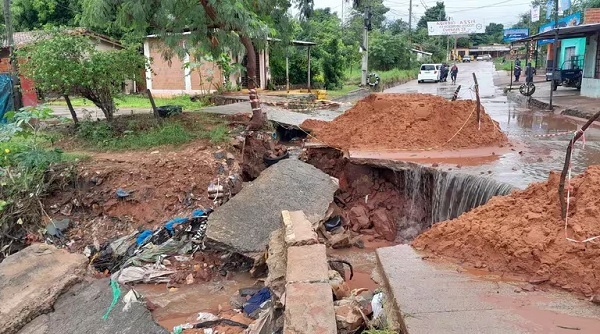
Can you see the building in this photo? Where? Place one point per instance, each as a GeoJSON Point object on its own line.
{"type": "Point", "coordinates": [421, 55]}
{"type": "Point", "coordinates": [21, 39]}
{"type": "Point", "coordinates": [496, 51]}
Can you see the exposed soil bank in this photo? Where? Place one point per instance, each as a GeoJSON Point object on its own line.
{"type": "Point", "coordinates": [411, 122]}
{"type": "Point", "coordinates": [397, 201]}
{"type": "Point", "coordinates": [523, 233]}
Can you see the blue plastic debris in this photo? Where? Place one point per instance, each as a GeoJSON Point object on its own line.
{"type": "Point", "coordinates": [122, 193]}
{"type": "Point", "coordinates": [198, 213]}
{"type": "Point", "coordinates": [143, 237]}
{"type": "Point", "coordinates": [175, 221]}
{"type": "Point", "coordinates": [257, 300]}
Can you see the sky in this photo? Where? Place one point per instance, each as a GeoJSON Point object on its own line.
{"type": "Point", "coordinates": [497, 11]}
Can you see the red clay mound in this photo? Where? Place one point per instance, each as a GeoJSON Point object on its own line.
{"type": "Point", "coordinates": [410, 121]}
{"type": "Point", "coordinates": [313, 125]}
{"type": "Point", "coordinates": [523, 233]}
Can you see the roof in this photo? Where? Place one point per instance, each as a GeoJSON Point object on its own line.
{"type": "Point", "coordinates": [421, 52]}
{"type": "Point", "coordinates": [490, 48]}
{"type": "Point", "coordinates": [22, 38]}
{"type": "Point", "coordinates": [564, 33]}
{"type": "Point", "coordinates": [293, 42]}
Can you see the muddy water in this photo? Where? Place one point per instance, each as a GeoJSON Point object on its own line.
{"type": "Point", "coordinates": [181, 305]}
{"type": "Point", "coordinates": [535, 153]}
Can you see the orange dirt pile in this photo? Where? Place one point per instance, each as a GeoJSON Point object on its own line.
{"type": "Point", "coordinates": [410, 122]}
{"type": "Point", "coordinates": [313, 125]}
{"type": "Point", "coordinates": [523, 233]}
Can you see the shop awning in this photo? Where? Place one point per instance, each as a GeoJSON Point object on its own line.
{"type": "Point", "coordinates": [564, 33]}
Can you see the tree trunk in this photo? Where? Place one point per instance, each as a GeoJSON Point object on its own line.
{"type": "Point", "coordinates": [71, 110]}
{"type": "Point", "coordinates": [258, 119]}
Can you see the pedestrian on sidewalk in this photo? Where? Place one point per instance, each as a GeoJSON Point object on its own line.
{"type": "Point", "coordinates": [517, 62]}
{"type": "Point", "coordinates": [453, 73]}
{"type": "Point", "coordinates": [529, 72]}
{"type": "Point", "coordinates": [517, 72]}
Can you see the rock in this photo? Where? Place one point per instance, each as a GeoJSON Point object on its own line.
{"type": "Point", "coordinates": [359, 218]}
{"type": "Point", "coordinates": [57, 227]}
{"type": "Point", "coordinates": [338, 285]}
{"type": "Point", "coordinates": [306, 314]}
{"type": "Point", "coordinates": [383, 224]}
{"type": "Point", "coordinates": [189, 279]}
{"type": "Point", "coordinates": [244, 224]}
{"type": "Point", "coordinates": [340, 240]}
{"type": "Point", "coordinates": [298, 230]}
{"type": "Point", "coordinates": [31, 280]}
{"type": "Point", "coordinates": [347, 317]}
{"type": "Point", "coordinates": [80, 310]}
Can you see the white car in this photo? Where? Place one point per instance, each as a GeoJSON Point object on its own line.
{"type": "Point", "coordinates": [429, 72]}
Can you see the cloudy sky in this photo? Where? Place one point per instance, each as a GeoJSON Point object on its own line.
{"type": "Point", "coordinates": [498, 11]}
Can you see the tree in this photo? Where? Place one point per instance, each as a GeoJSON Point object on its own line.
{"type": "Point", "coordinates": [435, 13]}
{"type": "Point", "coordinates": [66, 63]}
{"type": "Point", "coordinates": [216, 26]}
{"type": "Point", "coordinates": [333, 65]}
{"type": "Point", "coordinates": [36, 14]}
{"type": "Point", "coordinates": [396, 27]}
{"type": "Point", "coordinates": [388, 51]}
{"type": "Point", "coordinates": [494, 33]}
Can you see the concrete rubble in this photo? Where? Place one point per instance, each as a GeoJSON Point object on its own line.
{"type": "Point", "coordinates": [31, 280]}
{"type": "Point", "coordinates": [244, 224]}
{"type": "Point", "coordinates": [80, 310]}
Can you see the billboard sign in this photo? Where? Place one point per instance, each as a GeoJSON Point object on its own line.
{"type": "Point", "coordinates": [514, 34]}
{"type": "Point", "coordinates": [462, 27]}
{"type": "Point", "coordinates": [567, 21]}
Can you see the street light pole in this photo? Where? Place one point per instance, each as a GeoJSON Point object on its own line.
{"type": "Point", "coordinates": [555, 52]}
{"type": "Point", "coordinates": [410, 23]}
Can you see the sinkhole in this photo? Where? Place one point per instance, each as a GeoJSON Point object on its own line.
{"type": "Point", "coordinates": [399, 200]}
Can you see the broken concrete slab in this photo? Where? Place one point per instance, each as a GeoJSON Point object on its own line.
{"type": "Point", "coordinates": [31, 280]}
{"type": "Point", "coordinates": [307, 264]}
{"type": "Point", "coordinates": [244, 224]}
{"type": "Point", "coordinates": [309, 309]}
{"type": "Point", "coordinates": [298, 229]}
{"type": "Point", "coordinates": [433, 297]}
{"type": "Point", "coordinates": [80, 310]}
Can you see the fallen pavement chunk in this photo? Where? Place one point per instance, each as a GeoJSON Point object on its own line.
{"type": "Point", "coordinates": [307, 314]}
{"type": "Point", "coordinates": [80, 310]}
{"type": "Point", "coordinates": [244, 224]}
{"type": "Point", "coordinates": [31, 281]}
{"type": "Point", "coordinates": [298, 230]}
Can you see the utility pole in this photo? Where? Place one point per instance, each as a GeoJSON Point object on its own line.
{"type": "Point", "coordinates": [410, 23]}
{"type": "Point", "coordinates": [555, 52]}
{"type": "Point", "coordinates": [365, 46]}
{"type": "Point", "coordinates": [16, 91]}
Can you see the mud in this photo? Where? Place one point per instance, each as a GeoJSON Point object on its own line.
{"type": "Point", "coordinates": [410, 122]}
{"type": "Point", "coordinates": [523, 233]}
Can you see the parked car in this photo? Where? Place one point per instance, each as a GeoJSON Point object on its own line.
{"type": "Point", "coordinates": [429, 72]}
{"type": "Point", "coordinates": [480, 58]}
{"type": "Point", "coordinates": [466, 59]}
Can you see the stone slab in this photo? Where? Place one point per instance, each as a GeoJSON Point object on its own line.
{"type": "Point", "coordinates": [309, 309]}
{"type": "Point", "coordinates": [434, 297]}
{"type": "Point", "coordinates": [31, 280]}
{"type": "Point", "coordinates": [298, 229]}
{"type": "Point", "coordinates": [307, 264]}
{"type": "Point", "coordinates": [80, 310]}
{"type": "Point", "coordinates": [244, 223]}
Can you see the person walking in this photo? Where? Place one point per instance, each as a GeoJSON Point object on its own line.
{"type": "Point", "coordinates": [529, 72]}
{"type": "Point", "coordinates": [444, 73]}
{"type": "Point", "coordinates": [517, 72]}
{"type": "Point", "coordinates": [453, 73]}
{"type": "Point", "coordinates": [517, 62]}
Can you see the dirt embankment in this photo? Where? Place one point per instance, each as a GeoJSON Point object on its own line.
{"type": "Point", "coordinates": [163, 183]}
{"type": "Point", "coordinates": [523, 233]}
{"type": "Point", "coordinates": [409, 122]}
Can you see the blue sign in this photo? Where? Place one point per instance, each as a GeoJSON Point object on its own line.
{"type": "Point", "coordinates": [567, 21]}
{"type": "Point", "coordinates": [514, 34]}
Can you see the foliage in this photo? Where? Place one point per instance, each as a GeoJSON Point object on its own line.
{"type": "Point", "coordinates": [435, 13]}
{"type": "Point", "coordinates": [494, 33]}
{"type": "Point", "coordinates": [37, 14]}
{"type": "Point", "coordinates": [25, 162]}
{"type": "Point", "coordinates": [66, 63]}
{"type": "Point", "coordinates": [392, 76]}
{"type": "Point", "coordinates": [141, 101]}
{"type": "Point", "coordinates": [388, 51]}
{"type": "Point", "coordinates": [333, 65]}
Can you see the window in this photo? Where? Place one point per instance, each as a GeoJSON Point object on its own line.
{"type": "Point", "coordinates": [568, 60]}
{"type": "Point", "coordinates": [427, 68]}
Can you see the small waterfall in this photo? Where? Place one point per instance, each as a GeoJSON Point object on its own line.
{"type": "Point", "coordinates": [456, 193]}
{"type": "Point", "coordinates": [412, 183]}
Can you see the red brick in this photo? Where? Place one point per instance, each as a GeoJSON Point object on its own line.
{"type": "Point", "coordinates": [298, 230]}
{"type": "Point", "coordinates": [309, 309]}
{"type": "Point", "coordinates": [307, 264]}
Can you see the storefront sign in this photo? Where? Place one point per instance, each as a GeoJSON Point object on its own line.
{"type": "Point", "coordinates": [567, 21]}
{"type": "Point", "coordinates": [514, 34]}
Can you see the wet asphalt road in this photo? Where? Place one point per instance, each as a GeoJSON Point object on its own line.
{"type": "Point", "coordinates": [526, 129]}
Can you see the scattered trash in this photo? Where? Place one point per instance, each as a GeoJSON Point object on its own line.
{"type": "Point", "coordinates": [56, 227]}
{"type": "Point", "coordinates": [266, 322]}
{"type": "Point", "coordinates": [221, 190]}
{"type": "Point", "coordinates": [122, 193]}
{"type": "Point", "coordinates": [205, 316]}
{"type": "Point", "coordinates": [333, 223]}
{"type": "Point", "coordinates": [338, 285]}
{"type": "Point", "coordinates": [130, 298]}
{"type": "Point", "coordinates": [147, 274]}
{"type": "Point", "coordinates": [255, 302]}
{"type": "Point", "coordinates": [377, 306]}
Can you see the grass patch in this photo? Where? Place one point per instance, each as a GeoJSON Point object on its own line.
{"type": "Point", "coordinates": [353, 77]}
{"type": "Point", "coordinates": [346, 89]}
{"type": "Point", "coordinates": [142, 131]}
{"type": "Point", "coordinates": [139, 101]}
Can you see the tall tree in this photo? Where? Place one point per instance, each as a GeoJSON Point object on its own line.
{"type": "Point", "coordinates": [36, 14]}
{"type": "Point", "coordinates": [435, 13]}
{"type": "Point", "coordinates": [216, 26]}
